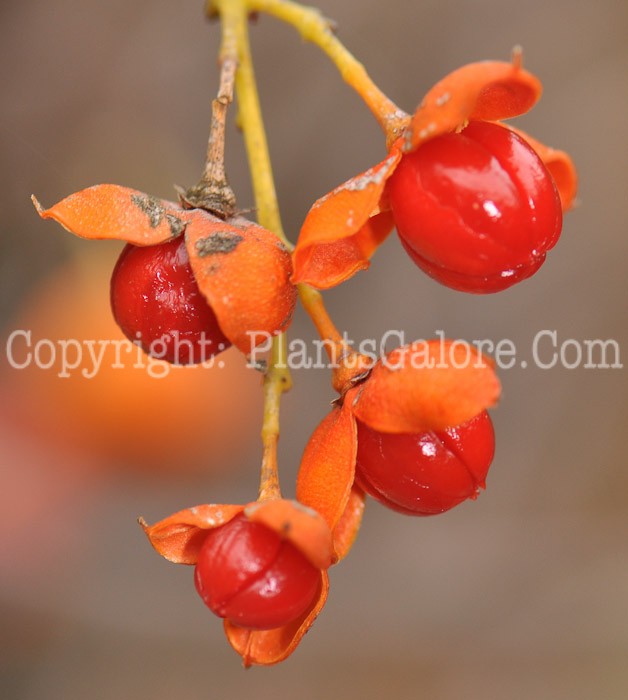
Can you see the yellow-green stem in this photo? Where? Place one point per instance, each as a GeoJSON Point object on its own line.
{"type": "Point", "coordinates": [315, 28]}
{"type": "Point", "coordinates": [347, 364]}
{"type": "Point", "coordinates": [276, 380]}
{"type": "Point", "coordinates": [233, 14]}
{"type": "Point", "coordinates": [312, 302]}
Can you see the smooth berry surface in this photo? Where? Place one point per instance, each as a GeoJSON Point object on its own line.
{"type": "Point", "coordinates": [157, 303]}
{"type": "Point", "coordinates": [249, 575]}
{"type": "Point", "coordinates": [425, 473]}
{"type": "Point", "coordinates": [477, 210]}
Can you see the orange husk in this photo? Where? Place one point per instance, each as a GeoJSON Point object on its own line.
{"type": "Point", "coordinates": [560, 165]}
{"type": "Point", "coordinates": [326, 265]}
{"type": "Point", "coordinates": [298, 524]}
{"type": "Point", "coordinates": [348, 525]}
{"type": "Point", "coordinates": [243, 270]}
{"type": "Point", "coordinates": [327, 470]}
{"type": "Point", "coordinates": [483, 91]}
{"type": "Point", "coordinates": [450, 383]}
{"type": "Point", "coordinates": [345, 227]}
{"type": "Point", "coordinates": [268, 647]}
{"type": "Point", "coordinates": [180, 536]}
{"type": "Point", "coordinates": [120, 213]}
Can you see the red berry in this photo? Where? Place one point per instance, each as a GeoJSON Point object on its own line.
{"type": "Point", "coordinates": [477, 210]}
{"type": "Point", "coordinates": [248, 574]}
{"type": "Point", "coordinates": [425, 473]}
{"type": "Point", "coordinates": [156, 302]}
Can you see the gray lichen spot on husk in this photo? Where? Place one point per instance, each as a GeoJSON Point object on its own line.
{"type": "Point", "coordinates": [151, 206]}
{"type": "Point", "coordinates": [220, 242]}
{"type": "Point", "coordinates": [156, 212]}
{"type": "Point", "coordinates": [175, 223]}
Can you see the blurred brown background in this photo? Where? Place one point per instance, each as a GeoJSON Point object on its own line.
{"type": "Point", "coordinates": [522, 594]}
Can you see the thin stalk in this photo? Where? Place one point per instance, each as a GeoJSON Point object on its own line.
{"type": "Point", "coordinates": [277, 379]}
{"type": "Point", "coordinates": [315, 28]}
{"type": "Point", "coordinates": [348, 366]}
{"type": "Point", "coordinates": [213, 192]}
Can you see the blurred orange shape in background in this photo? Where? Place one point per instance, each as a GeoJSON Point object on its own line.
{"type": "Point", "coordinates": [133, 411]}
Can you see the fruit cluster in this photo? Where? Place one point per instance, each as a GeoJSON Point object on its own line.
{"type": "Point", "coordinates": [476, 205]}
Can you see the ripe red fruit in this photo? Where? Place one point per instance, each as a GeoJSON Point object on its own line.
{"type": "Point", "coordinates": [425, 473]}
{"type": "Point", "coordinates": [156, 302]}
{"type": "Point", "coordinates": [476, 210]}
{"type": "Point", "coordinates": [248, 574]}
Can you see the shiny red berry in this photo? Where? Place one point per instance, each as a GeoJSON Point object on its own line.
{"type": "Point", "coordinates": [249, 575]}
{"type": "Point", "coordinates": [425, 473]}
{"type": "Point", "coordinates": [476, 210]}
{"type": "Point", "coordinates": [157, 303]}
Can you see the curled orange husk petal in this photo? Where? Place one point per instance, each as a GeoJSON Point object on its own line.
{"type": "Point", "coordinates": [560, 165]}
{"type": "Point", "coordinates": [328, 468]}
{"type": "Point", "coordinates": [180, 537]}
{"type": "Point", "coordinates": [326, 265]}
{"type": "Point", "coordinates": [268, 647]}
{"type": "Point", "coordinates": [483, 91]}
{"type": "Point", "coordinates": [348, 525]}
{"type": "Point", "coordinates": [345, 227]}
{"type": "Point", "coordinates": [120, 213]}
{"type": "Point", "coordinates": [428, 385]}
{"type": "Point", "coordinates": [243, 270]}
{"type": "Point", "coordinates": [297, 523]}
